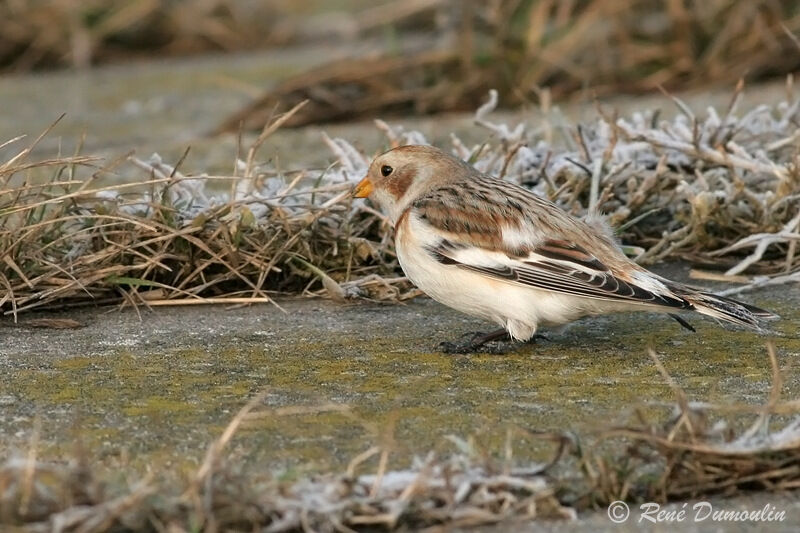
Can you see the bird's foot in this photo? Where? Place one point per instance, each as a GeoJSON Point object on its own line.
{"type": "Point", "coordinates": [494, 342]}
{"type": "Point", "coordinates": [537, 337]}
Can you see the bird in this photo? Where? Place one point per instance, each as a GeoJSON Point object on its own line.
{"type": "Point", "coordinates": [497, 251]}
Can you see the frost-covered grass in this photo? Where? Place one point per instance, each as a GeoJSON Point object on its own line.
{"type": "Point", "coordinates": [719, 189]}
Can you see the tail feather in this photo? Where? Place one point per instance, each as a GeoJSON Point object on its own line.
{"type": "Point", "coordinates": [723, 308]}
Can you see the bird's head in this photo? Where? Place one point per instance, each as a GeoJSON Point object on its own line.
{"type": "Point", "coordinates": [398, 177]}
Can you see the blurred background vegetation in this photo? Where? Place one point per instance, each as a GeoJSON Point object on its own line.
{"type": "Point", "coordinates": [428, 55]}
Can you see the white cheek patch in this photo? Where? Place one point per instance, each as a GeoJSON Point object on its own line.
{"type": "Point", "coordinates": [387, 203]}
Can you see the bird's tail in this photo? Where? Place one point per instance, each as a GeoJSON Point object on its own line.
{"type": "Point", "coordinates": [726, 309]}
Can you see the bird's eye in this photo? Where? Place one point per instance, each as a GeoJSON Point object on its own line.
{"type": "Point", "coordinates": [386, 170]}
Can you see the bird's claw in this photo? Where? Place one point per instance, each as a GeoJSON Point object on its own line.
{"type": "Point", "coordinates": [537, 337]}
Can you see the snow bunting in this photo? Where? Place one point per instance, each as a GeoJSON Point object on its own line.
{"type": "Point", "coordinates": [497, 251]}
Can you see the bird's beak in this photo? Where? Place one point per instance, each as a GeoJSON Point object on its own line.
{"type": "Point", "coordinates": [363, 189]}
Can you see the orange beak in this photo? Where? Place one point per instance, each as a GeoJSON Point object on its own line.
{"type": "Point", "coordinates": [363, 189]}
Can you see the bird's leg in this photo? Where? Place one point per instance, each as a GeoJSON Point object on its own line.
{"type": "Point", "coordinates": [475, 341]}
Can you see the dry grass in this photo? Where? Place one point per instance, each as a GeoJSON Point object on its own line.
{"type": "Point", "coordinates": [698, 453]}
{"type": "Point", "coordinates": [514, 46]}
{"type": "Point", "coordinates": [720, 190]}
{"type": "Point", "coordinates": [47, 33]}
{"type": "Point", "coordinates": [40, 34]}
{"type": "Point", "coordinates": [520, 46]}
{"type": "Point", "coordinates": [163, 238]}
{"type": "Point", "coordinates": [694, 455]}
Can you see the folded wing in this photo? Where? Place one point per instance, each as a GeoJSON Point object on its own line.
{"type": "Point", "coordinates": [555, 266]}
